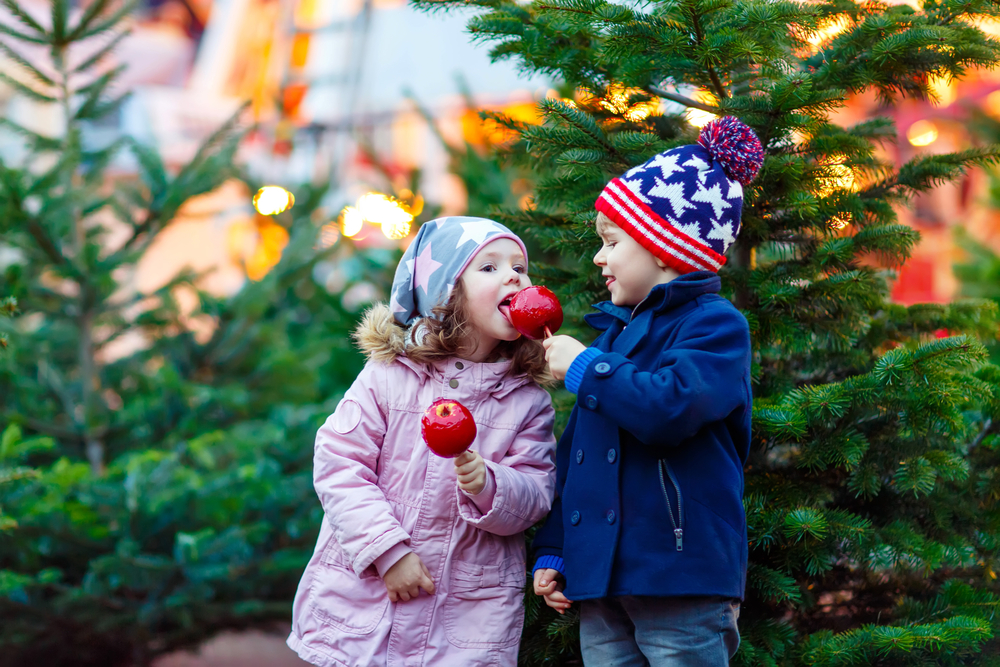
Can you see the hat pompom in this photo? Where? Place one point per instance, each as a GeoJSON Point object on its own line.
{"type": "Point", "coordinates": [735, 146]}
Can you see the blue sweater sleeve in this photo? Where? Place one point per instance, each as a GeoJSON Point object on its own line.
{"type": "Point", "coordinates": [699, 379]}
{"type": "Point", "coordinates": [552, 562]}
{"type": "Point", "coordinates": [579, 366]}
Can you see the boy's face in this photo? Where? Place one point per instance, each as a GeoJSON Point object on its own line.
{"type": "Point", "coordinates": [631, 271]}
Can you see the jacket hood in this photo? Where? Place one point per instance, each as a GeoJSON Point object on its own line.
{"type": "Point", "coordinates": [382, 339]}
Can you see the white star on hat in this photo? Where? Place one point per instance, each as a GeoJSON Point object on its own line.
{"type": "Point", "coordinates": [635, 185]}
{"type": "Point", "coordinates": [692, 229]}
{"type": "Point", "coordinates": [724, 233]}
{"type": "Point", "coordinates": [667, 164]}
{"type": "Point", "coordinates": [638, 169]}
{"type": "Point", "coordinates": [713, 196]}
{"type": "Point", "coordinates": [702, 167]}
{"type": "Point", "coordinates": [477, 231]}
{"type": "Point", "coordinates": [674, 192]}
{"type": "Point", "coordinates": [735, 190]}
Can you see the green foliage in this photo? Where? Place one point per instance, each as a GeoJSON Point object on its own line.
{"type": "Point", "coordinates": [872, 486]}
{"type": "Point", "coordinates": [157, 493]}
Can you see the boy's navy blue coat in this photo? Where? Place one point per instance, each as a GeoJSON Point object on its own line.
{"type": "Point", "coordinates": [674, 384]}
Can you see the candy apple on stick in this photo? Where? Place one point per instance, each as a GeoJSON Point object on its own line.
{"type": "Point", "coordinates": [535, 312]}
{"type": "Point", "coordinates": [448, 427]}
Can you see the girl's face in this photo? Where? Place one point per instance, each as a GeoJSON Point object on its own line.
{"type": "Point", "coordinates": [494, 275]}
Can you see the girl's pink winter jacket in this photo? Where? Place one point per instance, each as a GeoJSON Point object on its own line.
{"type": "Point", "coordinates": [384, 493]}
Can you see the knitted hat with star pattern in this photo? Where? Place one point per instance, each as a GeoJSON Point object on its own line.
{"type": "Point", "coordinates": [435, 260]}
{"type": "Point", "coordinates": [684, 205]}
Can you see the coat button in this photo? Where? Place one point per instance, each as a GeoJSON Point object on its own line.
{"type": "Point", "coordinates": [574, 518]}
{"type": "Point", "coordinates": [591, 402]}
{"type": "Point", "coordinates": [459, 365]}
{"type": "Point", "coordinates": [612, 455]}
{"type": "Point", "coordinates": [602, 368]}
{"type": "Point", "coordinates": [611, 516]}
{"type": "Point", "coordinates": [579, 456]}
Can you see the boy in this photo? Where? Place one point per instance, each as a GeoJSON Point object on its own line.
{"type": "Point", "coordinates": [648, 530]}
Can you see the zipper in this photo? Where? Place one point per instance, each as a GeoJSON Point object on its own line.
{"type": "Point", "coordinates": [679, 522]}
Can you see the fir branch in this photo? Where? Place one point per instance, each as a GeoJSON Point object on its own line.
{"type": "Point", "coordinates": [27, 90]}
{"type": "Point", "coordinates": [93, 10]}
{"type": "Point", "coordinates": [24, 37]}
{"type": "Point", "coordinates": [110, 22]}
{"type": "Point", "coordinates": [14, 7]}
{"type": "Point", "coordinates": [102, 53]}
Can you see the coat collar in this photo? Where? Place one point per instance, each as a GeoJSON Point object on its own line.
{"type": "Point", "coordinates": [663, 297]}
{"type": "Point", "coordinates": [493, 378]}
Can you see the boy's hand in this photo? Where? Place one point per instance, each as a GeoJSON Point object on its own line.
{"type": "Point", "coordinates": [560, 351]}
{"type": "Point", "coordinates": [471, 471]}
{"type": "Point", "coordinates": [549, 584]}
{"type": "Point", "coordinates": [405, 579]}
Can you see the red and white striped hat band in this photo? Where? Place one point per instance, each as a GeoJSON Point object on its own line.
{"type": "Point", "coordinates": [659, 236]}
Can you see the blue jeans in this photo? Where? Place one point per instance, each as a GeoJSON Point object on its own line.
{"type": "Point", "coordinates": [632, 631]}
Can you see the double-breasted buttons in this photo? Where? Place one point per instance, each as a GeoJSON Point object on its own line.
{"type": "Point", "coordinates": [574, 518]}
{"type": "Point", "coordinates": [612, 455]}
{"type": "Point", "coordinates": [459, 365]}
{"type": "Point", "coordinates": [453, 383]}
{"type": "Point", "coordinates": [579, 456]}
{"type": "Point", "coordinates": [611, 516]}
{"type": "Point", "coordinates": [602, 368]}
{"type": "Point", "coordinates": [591, 402]}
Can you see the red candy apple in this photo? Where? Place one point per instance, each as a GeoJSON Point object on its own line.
{"type": "Point", "coordinates": [448, 427]}
{"type": "Point", "coordinates": [535, 309]}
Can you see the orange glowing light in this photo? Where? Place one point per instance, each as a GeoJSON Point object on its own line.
{"type": "Point", "coordinates": [835, 175]}
{"type": "Point", "coordinates": [616, 100]}
{"type": "Point", "coordinates": [922, 133]}
{"type": "Point", "coordinates": [697, 117]}
{"type": "Point", "coordinates": [828, 29]}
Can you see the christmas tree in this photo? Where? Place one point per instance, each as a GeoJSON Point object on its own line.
{"type": "Point", "coordinates": [163, 493]}
{"type": "Point", "coordinates": [872, 487]}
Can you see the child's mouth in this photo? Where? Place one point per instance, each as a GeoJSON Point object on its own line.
{"type": "Point", "coordinates": [504, 307]}
{"type": "Point", "coordinates": [608, 282]}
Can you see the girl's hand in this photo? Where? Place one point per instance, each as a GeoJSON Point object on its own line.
{"type": "Point", "coordinates": [560, 351]}
{"type": "Point", "coordinates": [471, 471]}
{"type": "Point", "coordinates": [549, 584]}
{"type": "Point", "coordinates": [405, 579]}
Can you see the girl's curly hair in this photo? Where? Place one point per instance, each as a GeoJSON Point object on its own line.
{"type": "Point", "coordinates": [448, 335]}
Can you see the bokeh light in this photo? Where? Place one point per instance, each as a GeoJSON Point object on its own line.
{"type": "Point", "coordinates": [273, 199]}
{"type": "Point", "coordinates": [393, 216]}
{"type": "Point", "coordinates": [697, 117]}
{"type": "Point", "coordinates": [351, 221]}
{"type": "Point", "coordinates": [922, 133]}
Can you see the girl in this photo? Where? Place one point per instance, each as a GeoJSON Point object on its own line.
{"type": "Point", "coordinates": [420, 560]}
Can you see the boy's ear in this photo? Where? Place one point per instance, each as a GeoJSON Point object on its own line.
{"type": "Point", "coordinates": [659, 262]}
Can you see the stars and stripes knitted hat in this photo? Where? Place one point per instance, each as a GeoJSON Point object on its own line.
{"type": "Point", "coordinates": [684, 205]}
{"type": "Point", "coordinates": [434, 261]}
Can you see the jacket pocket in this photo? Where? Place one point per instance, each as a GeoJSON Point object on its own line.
{"type": "Point", "coordinates": [484, 607]}
{"type": "Point", "coordinates": [342, 600]}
